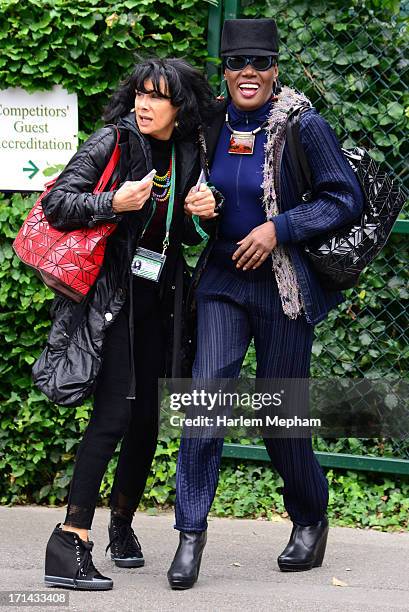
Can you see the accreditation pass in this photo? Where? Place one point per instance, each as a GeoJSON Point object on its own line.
{"type": "Point", "coordinates": [148, 264]}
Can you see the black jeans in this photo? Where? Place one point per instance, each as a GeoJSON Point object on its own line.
{"type": "Point", "coordinates": [114, 418]}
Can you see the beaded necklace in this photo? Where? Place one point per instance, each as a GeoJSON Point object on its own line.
{"type": "Point", "coordinates": [162, 183]}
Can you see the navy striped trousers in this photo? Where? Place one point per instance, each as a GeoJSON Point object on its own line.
{"type": "Point", "coordinates": [232, 308]}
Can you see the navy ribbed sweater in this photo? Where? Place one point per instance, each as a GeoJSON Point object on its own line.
{"type": "Point", "coordinates": [337, 196]}
{"type": "Point", "coordinates": [239, 177]}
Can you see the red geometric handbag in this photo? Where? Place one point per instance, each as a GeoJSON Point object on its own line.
{"type": "Point", "coordinates": [67, 262]}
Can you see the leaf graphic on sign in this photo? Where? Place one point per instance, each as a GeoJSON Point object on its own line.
{"type": "Point", "coordinates": [50, 170]}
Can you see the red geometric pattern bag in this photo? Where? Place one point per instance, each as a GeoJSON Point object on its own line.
{"type": "Point", "coordinates": [67, 262]}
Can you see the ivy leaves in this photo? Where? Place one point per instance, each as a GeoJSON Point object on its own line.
{"type": "Point", "coordinates": [87, 47]}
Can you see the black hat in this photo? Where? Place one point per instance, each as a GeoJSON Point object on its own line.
{"type": "Point", "coordinates": [249, 37]}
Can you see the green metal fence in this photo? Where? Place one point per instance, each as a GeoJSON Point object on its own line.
{"type": "Point", "coordinates": [349, 59]}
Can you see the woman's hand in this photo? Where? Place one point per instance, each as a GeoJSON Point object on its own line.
{"type": "Point", "coordinates": [132, 195]}
{"type": "Point", "coordinates": [201, 202]}
{"type": "Point", "coordinates": [256, 246]}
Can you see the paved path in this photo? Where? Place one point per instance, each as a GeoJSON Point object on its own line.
{"type": "Point", "coordinates": [239, 570]}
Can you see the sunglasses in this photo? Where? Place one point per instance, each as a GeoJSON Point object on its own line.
{"type": "Point", "coordinates": [260, 63]}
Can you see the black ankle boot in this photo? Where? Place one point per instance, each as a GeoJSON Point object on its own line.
{"type": "Point", "coordinates": [68, 563]}
{"type": "Point", "coordinates": [306, 547]}
{"type": "Point", "coordinates": [125, 548]}
{"type": "Point", "coordinates": [185, 567]}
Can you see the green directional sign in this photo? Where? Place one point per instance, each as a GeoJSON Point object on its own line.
{"type": "Point", "coordinates": [38, 136]}
{"type": "Point", "coordinates": [32, 169]}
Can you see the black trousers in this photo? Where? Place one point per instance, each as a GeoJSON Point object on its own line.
{"type": "Point", "coordinates": [115, 419]}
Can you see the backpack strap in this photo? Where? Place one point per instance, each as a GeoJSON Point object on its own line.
{"type": "Point", "coordinates": [299, 163]}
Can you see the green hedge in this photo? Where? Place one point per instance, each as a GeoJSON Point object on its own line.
{"type": "Point", "coordinates": [85, 47]}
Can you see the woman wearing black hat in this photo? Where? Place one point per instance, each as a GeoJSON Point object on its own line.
{"type": "Point", "coordinates": [253, 282]}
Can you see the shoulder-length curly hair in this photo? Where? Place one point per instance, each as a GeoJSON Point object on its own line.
{"type": "Point", "coordinates": [185, 86]}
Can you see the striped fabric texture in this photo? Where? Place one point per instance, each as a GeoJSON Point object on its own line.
{"type": "Point", "coordinates": [234, 306]}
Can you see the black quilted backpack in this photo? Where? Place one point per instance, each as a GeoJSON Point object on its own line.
{"type": "Point", "coordinates": [339, 256]}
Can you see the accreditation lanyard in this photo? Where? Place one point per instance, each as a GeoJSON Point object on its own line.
{"type": "Point", "coordinates": [149, 264]}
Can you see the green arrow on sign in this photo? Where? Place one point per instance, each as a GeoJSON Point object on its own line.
{"type": "Point", "coordinates": [32, 168]}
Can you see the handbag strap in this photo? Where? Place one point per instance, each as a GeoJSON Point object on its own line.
{"type": "Point", "coordinates": [299, 163]}
{"type": "Point", "coordinates": [106, 175]}
{"type": "Point", "coordinates": [110, 167]}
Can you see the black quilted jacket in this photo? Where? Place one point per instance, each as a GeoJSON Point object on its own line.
{"type": "Point", "coordinates": [67, 369]}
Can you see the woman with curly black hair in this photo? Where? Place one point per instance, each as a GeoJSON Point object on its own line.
{"type": "Point", "coordinates": [131, 324]}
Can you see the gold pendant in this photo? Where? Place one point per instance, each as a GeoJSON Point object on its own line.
{"type": "Point", "coordinates": [242, 143]}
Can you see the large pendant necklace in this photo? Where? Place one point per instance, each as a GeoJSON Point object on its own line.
{"type": "Point", "coordinates": [161, 185]}
{"type": "Point", "coordinates": [242, 143]}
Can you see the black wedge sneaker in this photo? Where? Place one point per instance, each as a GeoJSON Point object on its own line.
{"type": "Point", "coordinates": [125, 547]}
{"type": "Point", "coordinates": [68, 563]}
{"type": "Point", "coordinates": [306, 547]}
{"type": "Point", "coordinates": [184, 571]}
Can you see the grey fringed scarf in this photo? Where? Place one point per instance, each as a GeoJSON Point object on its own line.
{"type": "Point", "coordinates": [286, 278]}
